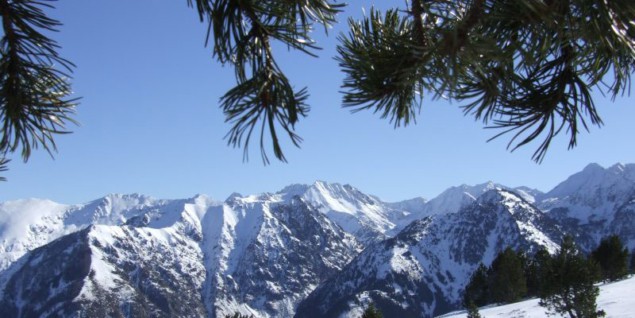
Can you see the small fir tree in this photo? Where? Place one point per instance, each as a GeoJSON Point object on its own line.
{"type": "Point", "coordinates": [612, 257]}
{"type": "Point", "coordinates": [507, 277]}
{"type": "Point", "coordinates": [535, 272]}
{"type": "Point", "coordinates": [372, 312]}
{"type": "Point", "coordinates": [569, 289]}
{"type": "Point", "coordinates": [477, 290]}
{"type": "Point", "coordinates": [472, 311]}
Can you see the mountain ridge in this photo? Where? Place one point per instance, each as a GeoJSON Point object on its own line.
{"type": "Point", "coordinates": [268, 254]}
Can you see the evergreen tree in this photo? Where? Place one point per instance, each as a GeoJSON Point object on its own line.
{"type": "Point", "coordinates": [612, 257]}
{"type": "Point", "coordinates": [372, 312]}
{"type": "Point", "coordinates": [507, 278]}
{"type": "Point", "coordinates": [516, 65]}
{"type": "Point", "coordinates": [472, 311]}
{"type": "Point", "coordinates": [477, 289]}
{"type": "Point", "coordinates": [633, 261]}
{"type": "Point", "coordinates": [536, 270]}
{"type": "Point", "coordinates": [569, 288]}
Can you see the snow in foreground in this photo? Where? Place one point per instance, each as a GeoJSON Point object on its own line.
{"type": "Point", "coordinates": [616, 299]}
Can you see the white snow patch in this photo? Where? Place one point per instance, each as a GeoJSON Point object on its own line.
{"type": "Point", "coordinates": [615, 299]}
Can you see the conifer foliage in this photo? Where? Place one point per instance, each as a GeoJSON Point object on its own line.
{"type": "Point", "coordinates": [612, 257]}
{"type": "Point", "coordinates": [569, 284]}
{"type": "Point", "coordinates": [503, 282]}
{"type": "Point", "coordinates": [477, 289]}
{"type": "Point", "coordinates": [372, 312]}
{"type": "Point", "coordinates": [507, 277]}
{"type": "Point", "coordinates": [536, 270]}
{"type": "Point", "coordinates": [34, 81]}
{"type": "Point", "coordinates": [564, 282]}
{"type": "Point", "coordinates": [472, 311]}
{"type": "Point", "coordinates": [525, 67]}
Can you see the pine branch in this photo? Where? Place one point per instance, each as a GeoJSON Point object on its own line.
{"type": "Point", "coordinates": [241, 32]}
{"type": "Point", "coordinates": [34, 103]}
{"type": "Point", "coordinates": [526, 66]}
{"type": "Point", "coordinates": [383, 67]}
{"type": "Point", "coordinates": [4, 167]}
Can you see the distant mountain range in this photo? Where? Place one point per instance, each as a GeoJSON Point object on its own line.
{"type": "Point", "coordinates": [320, 250]}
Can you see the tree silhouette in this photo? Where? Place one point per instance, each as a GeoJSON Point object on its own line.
{"type": "Point", "coordinates": [507, 277]}
{"type": "Point", "coordinates": [612, 257]}
{"type": "Point", "coordinates": [372, 312]}
{"type": "Point", "coordinates": [569, 288]}
{"type": "Point", "coordinates": [477, 290]}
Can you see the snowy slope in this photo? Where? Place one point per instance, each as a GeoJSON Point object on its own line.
{"type": "Point", "coordinates": [365, 216]}
{"type": "Point", "coordinates": [27, 224]}
{"type": "Point", "coordinates": [616, 299]}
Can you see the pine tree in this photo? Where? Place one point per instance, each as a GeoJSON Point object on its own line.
{"type": "Point", "coordinates": [477, 289]}
{"type": "Point", "coordinates": [507, 278]}
{"type": "Point", "coordinates": [372, 312]}
{"type": "Point", "coordinates": [612, 257]}
{"type": "Point", "coordinates": [536, 270]}
{"type": "Point", "coordinates": [472, 311]}
{"type": "Point", "coordinates": [569, 288]}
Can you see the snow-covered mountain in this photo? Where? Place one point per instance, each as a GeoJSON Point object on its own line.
{"type": "Point", "coordinates": [264, 257]}
{"type": "Point", "coordinates": [365, 216]}
{"type": "Point", "coordinates": [27, 224]}
{"type": "Point", "coordinates": [256, 254]}
{"type": "Point", "coordinates": [592, 194]}
{"type": "Point", "coordinates": [327, 248]}
{"type": "Point", "coordinates": [422, 271]}
{"type": "Point", "coordinates": [594, 203]}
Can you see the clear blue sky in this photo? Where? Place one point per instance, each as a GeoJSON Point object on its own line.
{"type": "Point", "coordinates": [150, 123]}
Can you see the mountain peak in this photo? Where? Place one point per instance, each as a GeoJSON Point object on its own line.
{"type": "Point", "coordinates": [594, 176]}
{"type": "Point", "coordinates": [618, 167]}
{"type": "Point", "coordinates": [593, 167]}
{"type": "Point", "coordinates": [233, 196]}
{"type": "Point", "coordinates": [497, 195]}
{"type": "Point", "coordinates": [627, 170]}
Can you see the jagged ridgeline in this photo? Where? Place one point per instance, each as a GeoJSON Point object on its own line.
{"type": "Point", "coordinates": [319, 250]}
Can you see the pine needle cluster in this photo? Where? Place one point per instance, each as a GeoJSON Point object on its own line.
{"type": "Point", "coordinates": [34, 81]}
{"type": "Point", "coordinates": [526, 67]}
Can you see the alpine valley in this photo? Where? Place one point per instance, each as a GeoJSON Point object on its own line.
{"type": "Point", "coordinates": [320, 250]}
